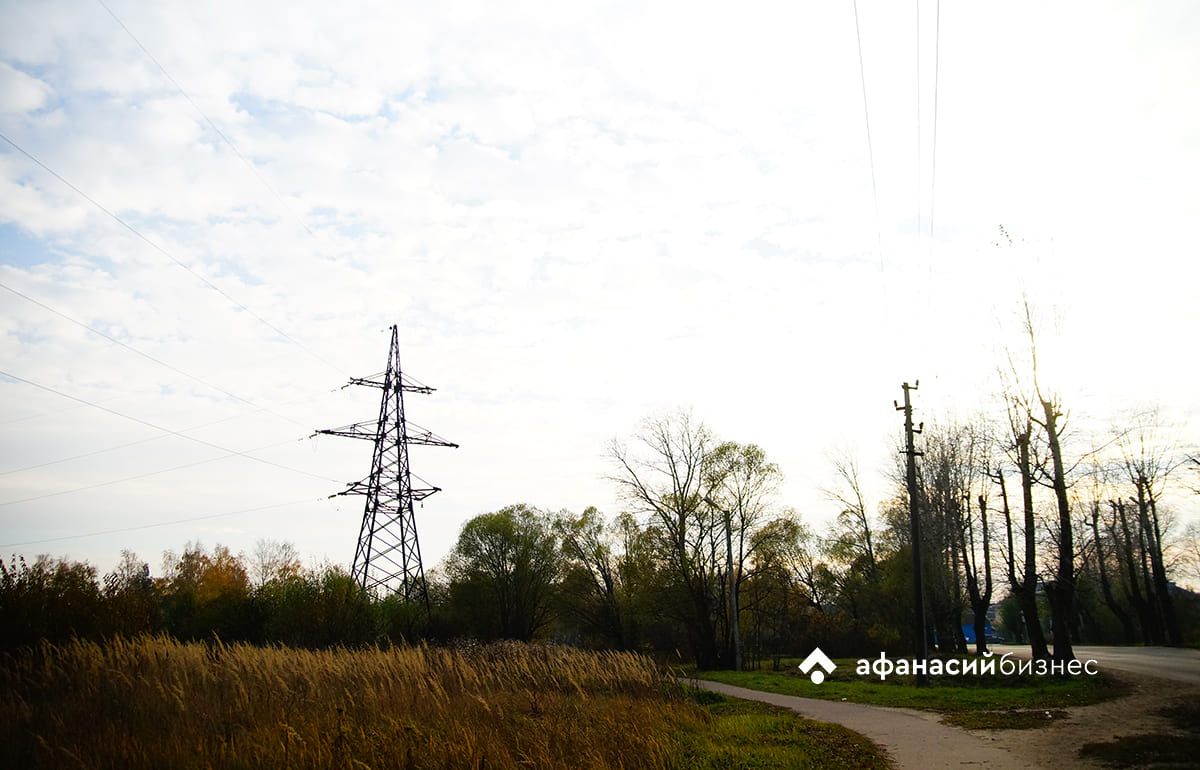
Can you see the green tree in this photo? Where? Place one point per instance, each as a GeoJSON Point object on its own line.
{"type": "Point", "coordinates": [321, 608]}
{"type": "Point", "coordinates": [343, 612]}
{"type": "Point", "coordinates": [206, 594]}
{"type": "Point", "coordinates": [506, 562]}
{"type": "Point", "coordinates": [130, 600]}
{"type": "Point", "coordinates": [593, 592]}
{"type": "Point", "coordinates": [742, 485]}
{"type": "Point", "coordinates": [51, 599]}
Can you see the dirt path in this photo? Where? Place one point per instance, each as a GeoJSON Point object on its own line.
{"type": "Point", "coordinates": [917, 739]}
{"type": "Point", "coordinates": [1134, 714]}
{"type": "Point", "coordinates": [914, 739]}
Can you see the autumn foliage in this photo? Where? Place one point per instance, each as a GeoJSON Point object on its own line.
{"type": "Point", "coordinates": [164, 703]}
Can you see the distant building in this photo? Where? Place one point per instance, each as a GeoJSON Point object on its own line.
{"type": "Point", "coordinates": [968, 628]}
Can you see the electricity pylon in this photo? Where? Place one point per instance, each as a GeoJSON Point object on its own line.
{"type": "Point", "coordinates": [388, 557]}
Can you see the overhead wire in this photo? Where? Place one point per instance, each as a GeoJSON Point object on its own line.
{"type": "Point", "coordinates": [241, 306]}
{"type": "Point", "coordinates": [93, 453]}
{"type": "Point", "coordinates": [224, 138]}
{"type": "Point", "coordinates": [173, 522]}
{"type": "Point", "coordinates": [40, 415]}
{"type": "Point", "coordinates": [126, 445]}
{"type": "Point", "coordinates": [871, 157]}
{"type": "Point", "coordinates": [207, 120]}
{"type": "Point", "coordinates": [918, 48]}
{"type": "Point", "coordinates": [147, 474]}
{"type": "Point", "coordinates": [929, 288]}
{"type": "Point", "coordinates": [168, 254]}
{"type": "Point", "coordinates": [145, 355]}
{"type": "Point", "coordinates": [164, 252]}
{"type": "Point", "coordinates": [937, 55]}
{"type": "Point", "coordinates": [148, 424]}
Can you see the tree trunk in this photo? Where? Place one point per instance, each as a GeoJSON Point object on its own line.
{"type": "Point", "coordinates": [1026, 589]}
{"type": "Point", "coordinates": [1062, 595]}
{"type": "Point", "coordinates": [1161, 588]}
{"type": "Point", "coordinates": [1151, 631]}
{"type": "Point", "coordinates": [980, 600]}
{"type": "Point", "coordinates": [1110, 601]}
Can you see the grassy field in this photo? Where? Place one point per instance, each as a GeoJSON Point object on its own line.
{"type": "Point", "coordinates": [153, 703]}
{"type": "Point", "coordinates": [975, 702]}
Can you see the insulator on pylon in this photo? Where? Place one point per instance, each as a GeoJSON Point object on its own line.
{"type": "Point", "coordinates": [388, 557]}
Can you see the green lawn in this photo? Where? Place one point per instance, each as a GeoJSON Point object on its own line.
{"type": "Point", "coordinates": [747, 734]}
{"type": "Point", "coordinates": [970, 701]}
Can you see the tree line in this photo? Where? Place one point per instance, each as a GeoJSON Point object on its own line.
{"type": "Point", "coordinates": [201, 594]}
{"type": "Point", "coordinates": [705, 563]}
{"type": "Point", "coordinates": [1073, 542]}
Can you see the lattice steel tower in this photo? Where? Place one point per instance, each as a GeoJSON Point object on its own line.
{"type": "Point", "coordinates": [388, 557]}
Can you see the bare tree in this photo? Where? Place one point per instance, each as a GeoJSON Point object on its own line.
{"type": "Point", "coordinates": [945, 473]}
{"type": "Point", "coordinates": [1023, 579]}
{"type": "Point", "coordinates": [1138, 589]}
{"type": "Point", "coordinates": [1106, 551]}
{"type": "Point", "coordinates": [1148, 462]}
{"type": "Point", "coordinates": [274, 560]}
{"type": "Point", "coordinates": [975, 534]}
{"type": "Point", "coordinates": [804, 563]}
{"type": "Point", "coordinates": [663, 478]}
{"type": "Point", "coordinates": [1042, 408]}
{"type": "Point", "coordinates": [1052, 421]}
{"type": "Point", "coordinates": [1190, 545]}
{"type": "Point", "coordinates": [852, 535]}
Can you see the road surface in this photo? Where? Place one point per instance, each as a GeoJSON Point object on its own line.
{"type": "Point", "coordinates": [1176, 664]}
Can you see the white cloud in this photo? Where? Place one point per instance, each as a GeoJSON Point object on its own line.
{"type": "Point", "coordinates": [577, 214]}
{"type": "Point", "coordinates": [19, 92]}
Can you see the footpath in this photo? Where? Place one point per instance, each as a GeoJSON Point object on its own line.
{"type": "Point", "coordinates": [913, 739]}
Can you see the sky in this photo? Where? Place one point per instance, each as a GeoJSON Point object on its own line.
{"type": "Point", "coordinates": [578, 215]}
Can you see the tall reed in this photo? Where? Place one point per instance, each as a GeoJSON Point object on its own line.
{"type": "Point", "coordinates": [155, 702]}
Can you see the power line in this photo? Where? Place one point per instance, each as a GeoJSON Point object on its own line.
{"type": "Point", "coordinates": [138, 476]}
{"type": "Point", "coordinates": [105, 450]}
{"type": "Point", "coordinates": [40, 415]}
{"type": "Point", "coordinates": [85, 454]}
{"type": "Point", "coordinates": [167, 254]}
{"type": "Point", "coordinates": [102, 451]}
{"type": "Point", "coordinates": [870, 155]}
{"type": "Point", "coordinates": [207, 120]}
{"type": "Point", "coordinates": [158, 524]}
{"type": "Point", "coordinates": [145, 355]}
{"type": "Point", "coordinates": [937, 48]}
{"type": "Point", "coordinates": [180, 434]}
{"type": "Point", "coordinates": [918, 47]}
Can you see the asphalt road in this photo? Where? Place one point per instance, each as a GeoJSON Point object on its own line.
{"type": "Point", "coordinates": [1179, 665]}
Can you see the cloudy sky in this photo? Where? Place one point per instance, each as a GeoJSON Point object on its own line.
{"type": "Point", "coordinates": [578, 214]}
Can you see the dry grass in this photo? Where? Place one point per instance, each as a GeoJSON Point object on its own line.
{"type": "Point", "coordinates": [156, 703]}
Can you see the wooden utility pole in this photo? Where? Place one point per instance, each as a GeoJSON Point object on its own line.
{"type": "Point", "coordinates": [914, 515]}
